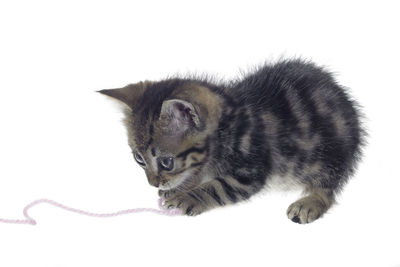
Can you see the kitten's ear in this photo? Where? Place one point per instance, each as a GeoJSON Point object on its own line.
{"type": "Point", "coordinates": [179, 116]}
{"type": "Point", "coordinates": [128, 95]}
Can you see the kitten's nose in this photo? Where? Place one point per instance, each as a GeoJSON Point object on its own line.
{"type": "Point", "coordinates": [154, 181]}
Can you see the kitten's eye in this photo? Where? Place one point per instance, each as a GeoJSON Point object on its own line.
{"type": "Point", "coordinates": [139, 159]}
{"type": "Point", "coordinates": [166, 163]}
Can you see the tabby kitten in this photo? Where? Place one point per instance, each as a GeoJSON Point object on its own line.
{"type": "Point", "coordinates": [206, 144]}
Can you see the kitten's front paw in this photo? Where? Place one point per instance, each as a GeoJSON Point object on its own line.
{"type": "Point", "coordinates": [306, 210]}
{"type": "Point", "coordinates": [165, 194]}
{"type": "Point", "coordinates": [186, 204]}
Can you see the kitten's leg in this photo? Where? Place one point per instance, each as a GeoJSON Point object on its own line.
{"type": "Point", "coordinates": [310, 207]}
{"type": "Point", "coordinates": [165, 194]}
{"type": "Point", "coordinates": [218, 192]}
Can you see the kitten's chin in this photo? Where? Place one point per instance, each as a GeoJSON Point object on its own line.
{"type": "Point", "coordinates": [176, 182]}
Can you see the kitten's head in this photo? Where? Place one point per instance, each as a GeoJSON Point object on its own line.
{"type": "Point", "coordinates": [169, 124]}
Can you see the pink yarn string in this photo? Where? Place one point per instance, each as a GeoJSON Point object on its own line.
{"type": "Point", "coordinates": [29, 220]}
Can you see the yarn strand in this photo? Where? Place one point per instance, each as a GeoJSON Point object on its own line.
{"type": "Point", "coordinates": [29, 220]}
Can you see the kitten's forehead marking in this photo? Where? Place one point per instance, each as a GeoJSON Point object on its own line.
{"type": "Point", "coordinates": [152, 160]}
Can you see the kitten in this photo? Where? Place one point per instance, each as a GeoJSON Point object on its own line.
{"type": "Point", "coordinates": [206, 144]}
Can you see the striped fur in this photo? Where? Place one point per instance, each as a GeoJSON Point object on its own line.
{"type": "Point", "coordinates": [289, 119]}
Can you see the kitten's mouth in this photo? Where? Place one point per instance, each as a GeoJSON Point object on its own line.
{"type": "Point", "coordinates": [163, 184]}
{"type": "Point", "coordinates": [164, 187]}
{"type": "Point", "coordinates": [168, 185]}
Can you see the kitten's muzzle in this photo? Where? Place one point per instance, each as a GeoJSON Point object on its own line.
{"type": "Point", "coordinates": [154, 181]}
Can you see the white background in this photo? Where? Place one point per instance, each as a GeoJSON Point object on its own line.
{"type": "Point", "coordinates": [61, 140]}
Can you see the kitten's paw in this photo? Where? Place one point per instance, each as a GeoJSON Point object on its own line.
{"type": "Point", "coordinates": [186, 204]}
{"type": "Point", "coordinates": [306, 210]}
{"type": "Point", "coordinates": [166, 193]}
